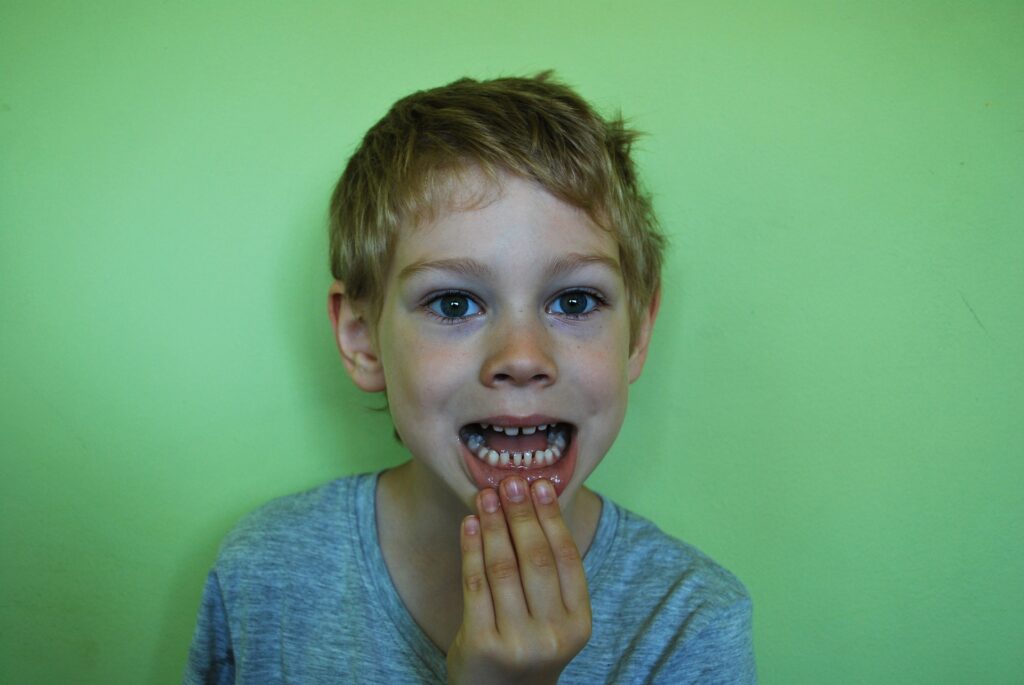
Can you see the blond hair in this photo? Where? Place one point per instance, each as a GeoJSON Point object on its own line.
{"type": "Point", "coordinates": [536, 128]}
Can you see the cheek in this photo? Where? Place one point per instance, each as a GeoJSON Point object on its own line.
{"type": "Point", "coordinates": [601, 372]}
{"type": "Point", "coordinates": [423, 376]}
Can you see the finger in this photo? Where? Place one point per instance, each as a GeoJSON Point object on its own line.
{"type": "Point", "coordinates": [533, 551]}
{"type": "Point", "coordinates": [500, 564]}
{"type": "Point", "coordinates": [477, 609]}
{"type": "Point", "coordinates": [568, 562]}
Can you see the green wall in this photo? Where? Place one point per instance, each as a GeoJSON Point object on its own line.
{"type": "Point", "coordinates": [834, 404]}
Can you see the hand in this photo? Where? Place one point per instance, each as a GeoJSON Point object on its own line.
{"type": "Point", "coordinates": [526, 609]}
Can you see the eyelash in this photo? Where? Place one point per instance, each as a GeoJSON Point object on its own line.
{"type": "Point", "coordinates": [600, 302]}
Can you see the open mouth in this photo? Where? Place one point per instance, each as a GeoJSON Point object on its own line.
{"type": "Point", "coordinates": [522, 448]}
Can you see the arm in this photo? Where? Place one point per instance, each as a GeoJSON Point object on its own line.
{"type": "Point", "coordinates": [211, 660]}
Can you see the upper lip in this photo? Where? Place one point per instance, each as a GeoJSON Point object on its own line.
{"type": "Point", "coordinates": [509, 421]}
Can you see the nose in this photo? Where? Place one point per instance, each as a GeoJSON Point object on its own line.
{"type": "Point", "coordinates": [520, 356]}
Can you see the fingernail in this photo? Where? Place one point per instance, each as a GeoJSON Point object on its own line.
{"type": "Point", "coordinates": [489, 501]}
{"type": "Point", "coordinates": [472, 525]}
{"type": "Point", "coordinates": [514, 489]}
{"type": "Point", "coordinates": [545, 493]}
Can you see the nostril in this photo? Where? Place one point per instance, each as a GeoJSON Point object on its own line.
{"type": "Point", "coordinates": [511, 378]}
{"type": "Point", "coordinates": [519, 359]}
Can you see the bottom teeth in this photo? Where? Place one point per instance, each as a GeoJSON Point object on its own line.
{"type": "Point", "coordinates": [538, 458]}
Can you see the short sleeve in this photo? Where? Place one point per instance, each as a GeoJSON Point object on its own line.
{"type": "Point", "coordinates": [211, 660]}
{"type": "Point", "coordinates": [721, 653]}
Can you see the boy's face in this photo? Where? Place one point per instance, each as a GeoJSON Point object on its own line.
{"type": "Point", "coordinates": [513, 314]}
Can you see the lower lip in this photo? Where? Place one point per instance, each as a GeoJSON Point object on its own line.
{"type": "Point", "coordinates": [487, 476]}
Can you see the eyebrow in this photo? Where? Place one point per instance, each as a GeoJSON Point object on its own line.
{"type": "Point", "coordinates": [470, 267]}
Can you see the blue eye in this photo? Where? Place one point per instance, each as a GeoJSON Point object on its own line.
{"type": "Point", "coordinates": [453, 306]}
{"type": "Point", "coordinates": [575, 303]}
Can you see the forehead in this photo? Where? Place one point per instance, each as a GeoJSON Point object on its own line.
{"type": "Point", "coordinates": [501, 219]}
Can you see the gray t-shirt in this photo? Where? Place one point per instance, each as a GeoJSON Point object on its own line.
{"type": "Point", "coordinates": [300, 594]}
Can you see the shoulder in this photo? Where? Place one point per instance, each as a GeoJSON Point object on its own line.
{"type": "Point", "coordinates": [680, 580]}
{"type": "Point", "coordinates": [670, 612]}
{"type": "Point", "coordinates": [297, 524]}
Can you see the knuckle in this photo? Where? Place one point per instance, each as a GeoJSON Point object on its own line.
{"type": "Point", "coordinates": [494, 649]}
{"type": "Point", "coordinates": [521, 514]}
{"type": "Point", "coordinates": [550, 512]}
{"type": "Point", "coordinates": [582, 628]}
{"type": "Point", "coordinates": [552, 646]}
{"type": "Point", "coordinates": [568, 644]}
{"type": "Point", "coordinates": [474, 582]}
{"type": "Point", "coordinates": [514, 653]}
{"type": "Point", "coordinates": [540, 559]}
{"type": "Point", "coordinates": [502, 569]}
{"type": "Point", "coordinates": [567, 552]}
{"type": "Point", "coordinates": [493, 524]}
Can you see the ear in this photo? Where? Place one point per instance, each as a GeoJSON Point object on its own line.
{"type": "Point", "coordinates": [354, 337]}
{"type": "Point", "coordinates": [639, 354]}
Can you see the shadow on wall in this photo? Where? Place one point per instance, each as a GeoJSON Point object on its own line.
{"type": "Point", "coordinates": [356, 436]}
{"type": "Point", "coordinates": [343, 432]}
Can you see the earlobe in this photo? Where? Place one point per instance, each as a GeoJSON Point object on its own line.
{"type": "Point", "coordinates": [354, 338]}
{"type": "Point", "coordinates": [638, 355]}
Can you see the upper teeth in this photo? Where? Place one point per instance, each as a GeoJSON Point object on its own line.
{"type": "Point", "coordinates": [514, 430]}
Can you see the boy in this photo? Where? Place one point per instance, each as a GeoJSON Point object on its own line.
{"type": "Point", "coordinates": [497, 277]}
